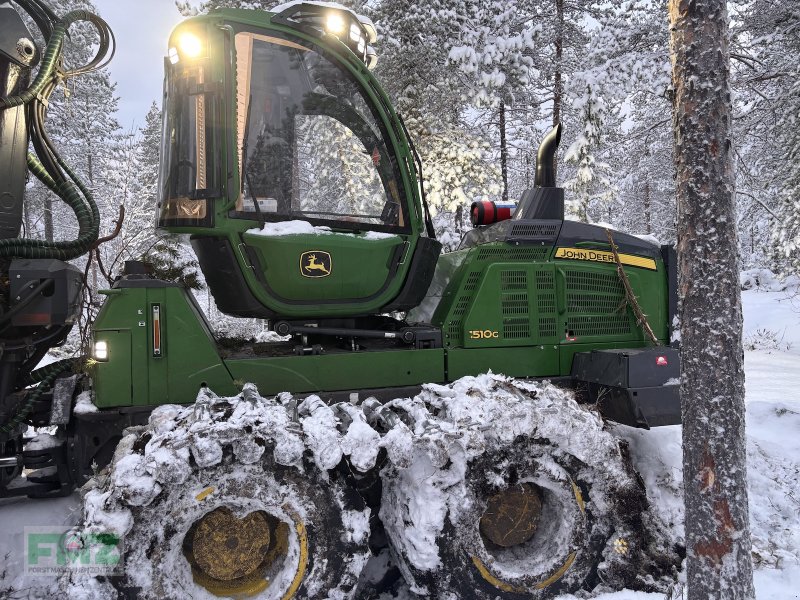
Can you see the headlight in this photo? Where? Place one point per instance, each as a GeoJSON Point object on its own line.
{"type": "Point", "coordinates": [190, 45]}
{"type": "Point", "coordinates": [354, 31]}
{"type": "Point", "coordinates": [334, 24]}
{"type": "Point", "coordinates": [101, 351]}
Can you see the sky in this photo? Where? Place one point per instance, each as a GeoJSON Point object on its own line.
{"type": "Point", "coordinates": [141, 28]}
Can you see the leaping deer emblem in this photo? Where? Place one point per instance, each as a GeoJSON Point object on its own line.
{"type": "Point", "coordinates": [313, 264]}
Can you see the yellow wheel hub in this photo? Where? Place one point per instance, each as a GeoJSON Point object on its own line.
{"type": "Point", "coordinates": [235, 557]}
{"type": "Point", "coordinates": [228, 548]}
{"type": "Point", "coordinates": [512, 516]}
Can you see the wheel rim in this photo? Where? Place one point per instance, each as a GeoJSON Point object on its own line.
{"type": "Point", "coordinates": [233, 557]}
{"type": "Point", "coordinates": [510, 523]}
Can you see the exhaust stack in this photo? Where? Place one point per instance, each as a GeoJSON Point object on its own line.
{"type": "Point", "coordinates": [545, 200]}
{"type": "Point", "coordinates": [545, 159]}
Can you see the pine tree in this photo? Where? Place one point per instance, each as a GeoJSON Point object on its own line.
{"type": "Point", "coordinates": [719, 563]}
{"type": "Point", "coordinates": [413, 66]}
{"type": "Point", "coordinates": [492, 51]}
{"type": "Point", "coordinates": [768, 129]}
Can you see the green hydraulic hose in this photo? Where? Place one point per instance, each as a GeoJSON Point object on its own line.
{"type": "Point", "coordinates": [74, 193]}
{"type": "Point", "coordinates": [49, 62]}
{"type": "Point", "coordinates": [48, 374]}
{"type": "Point", "coordinates": [88, 220]}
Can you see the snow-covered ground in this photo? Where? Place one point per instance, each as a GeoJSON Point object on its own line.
{"type": "Point", "coordinates": [772, 368]}
{"type": "Point", "coordinates": [772, 332]}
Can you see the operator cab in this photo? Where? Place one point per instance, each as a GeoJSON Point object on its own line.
{"type": "Point", "coordinates": [285, 162]}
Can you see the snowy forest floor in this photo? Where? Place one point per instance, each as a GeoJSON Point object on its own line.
{"type": "Point", "coordinates": [772, 356]}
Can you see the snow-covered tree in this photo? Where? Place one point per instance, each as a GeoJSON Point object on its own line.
{"type": "Point", "coordinates": [718, 545]}
{"type": "Point", "coordinates": [765, 47]}
{"type": "Point", "coordinates": [492, 53]}
{"type": "Point", "coordinates": [414, 44]}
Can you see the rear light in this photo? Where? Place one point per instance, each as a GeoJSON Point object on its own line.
{"type": "Point", "coordinates": [661, 361]}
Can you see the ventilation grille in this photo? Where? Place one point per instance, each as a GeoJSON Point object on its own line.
{"type": "Point", "coordinates": [472, 281]}
{"type": "Point", "coordinates": [546, 304]}
{"type": "Point", "coordinates": [513, 280]}
{"type": "Point", "coordinates": [596, 305]}
{"type": "Point", "coordinates": [587, 303]}
{"type": "Point", "coordinates": [514, 304]}
{"type": "Point", "coordinates": [586, 281]}
{"type": "Point", "coordinates": [548, 327]}
{"type": "Point", "coordinates": [605, 325]}
{"type": "Point", "coordinates": [514, 254]}
{"type": "Point", "coordinates": [516, 329]}
{"type": "Point", "coordinates": [455, 329]}
{"type": "Point", "coordinates": [537, 230]}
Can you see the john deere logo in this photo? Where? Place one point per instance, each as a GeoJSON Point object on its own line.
{"type": "Point", "coordinates": [315, 263]}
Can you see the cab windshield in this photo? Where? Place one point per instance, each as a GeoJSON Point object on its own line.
{"type": "Point", "coordinates": [309, 147]}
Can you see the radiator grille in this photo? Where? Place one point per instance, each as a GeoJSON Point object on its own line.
{"type": "Point", "coordinates": [548, 327]}
{"type": "Point", "coordinates": [587, 303]}
{"type": "Point", "coordinates": [513, 254]}
{"type": "Point", "coordinates": [515, 329]}
{"type": "Point", "coordinates": [596, 305]}
{"type": "Point", "coordinates": [546, 304]}
{"type": "Point", "coordinates": [534, 230]}
{"type": "Point", "coordinates": [513, 280]}
{"type": "Point", "coordinates": [514, 304]}
{"type": "Point", "coordinates": [455, 329]}
{"type": "Point", "coordinates": [604, 325]}
{"type": "Point", "coordinates": [589, 281]}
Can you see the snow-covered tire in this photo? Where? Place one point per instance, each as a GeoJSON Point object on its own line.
{"type": "Point", "coordinates": [594, 524]}
{"type": "Point", "coordinates": [560, 554]}
{"type": "Point", "coordinates": [226, 499]}
{"type": "Point", "coordinates": [322, 560]}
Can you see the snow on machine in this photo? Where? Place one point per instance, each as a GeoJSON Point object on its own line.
{"type": "Point", "coordinates": [377, 428]}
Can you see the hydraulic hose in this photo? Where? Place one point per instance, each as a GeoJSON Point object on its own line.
{"type": "Point", "coordinates": [48, 378]}
{"type": "Point", "coordinates": [53, 53]}
{"type": "Point", "coordinates": [47, 165]}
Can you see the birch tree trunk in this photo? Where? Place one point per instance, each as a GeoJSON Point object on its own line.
{"type": "Point", "coordinates": [719, 564]}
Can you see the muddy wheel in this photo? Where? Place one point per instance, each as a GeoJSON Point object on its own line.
{"type": "Point", "coordinates": [223, 500]}
{"type": "Point", "coordinates": [528, 528]}
{"type": "Point", "coordinates": [521, 526]}
{"type": "Point", "coordinates": [529, 497]}
{"type": "Point", "coordinates": [533, 522]}
{"type": "Point", "coordinates": [263, 531]}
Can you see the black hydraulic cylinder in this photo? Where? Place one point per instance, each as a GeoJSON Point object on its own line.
{"type": "Point", "coordinates": [17, 56]}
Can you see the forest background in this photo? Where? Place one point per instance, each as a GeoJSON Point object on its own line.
{"type": "Point", "coordinates": [479, 83]}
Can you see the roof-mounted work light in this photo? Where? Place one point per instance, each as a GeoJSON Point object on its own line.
{"type": "Point", "coordinates": [356, 32]}
{"type": "Point", "coordinates": [187, 46]}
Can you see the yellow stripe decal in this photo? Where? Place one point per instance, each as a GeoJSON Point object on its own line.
{"type": "Point", "coordinates": [500, 585]}
{"type": "Point", "coordinates": [302, 537]}
{"type": "Point", "coordinates": [204, 494]}
{"type": "Point", "coordinates": [605, 257]}
{"type": "Point", "coordinates": [558, 574]}
{"type": "Point", "coordinates": [578, 496]}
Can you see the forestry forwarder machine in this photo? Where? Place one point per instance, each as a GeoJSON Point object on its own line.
{"type": "Point", "coordinates": [296, 181]}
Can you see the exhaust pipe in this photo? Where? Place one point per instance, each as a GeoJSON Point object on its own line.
{"type": "Point", "coordinates": [545, 159]}
{"type": "Point", "coordinates": [546, 200]}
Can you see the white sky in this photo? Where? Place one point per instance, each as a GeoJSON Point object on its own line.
{"type": "Point", "coordinates": [141, 28]}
